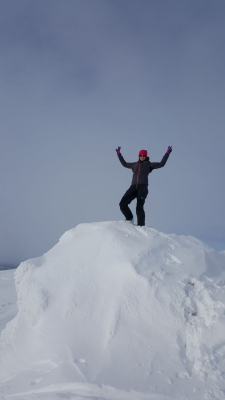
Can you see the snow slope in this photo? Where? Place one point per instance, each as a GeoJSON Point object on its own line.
{"type": "Point", "coordinates": [116, 311]}
{"type": "Point", "coordinates": [8, 308]}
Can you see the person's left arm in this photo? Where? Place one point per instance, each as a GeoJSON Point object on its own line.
{"type": "Point", "coordinates": [156, 165]}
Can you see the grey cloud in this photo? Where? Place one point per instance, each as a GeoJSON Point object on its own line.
{"type": "Point", "coordinates": [79, 78]}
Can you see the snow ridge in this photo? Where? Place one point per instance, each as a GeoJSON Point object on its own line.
{"type": "Point", "coordinates": [118, 308]}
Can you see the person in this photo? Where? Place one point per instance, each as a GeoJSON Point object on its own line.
{"type": "Point", "coordinates": [139, 185]}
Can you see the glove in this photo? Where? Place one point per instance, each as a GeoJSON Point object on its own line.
{"type": "Point", "coordinates": [118, 150]}
{"type": "Point", "coordinates": [169, 149]}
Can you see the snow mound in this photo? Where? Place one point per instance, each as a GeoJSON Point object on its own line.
{"type": "Point", "coordinates": [8, 308]}
{"type": "Point", "coordinates": [118, 308]}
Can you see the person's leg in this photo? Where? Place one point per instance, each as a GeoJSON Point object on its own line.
{"type": "Point", "coordinates": [130, 195]}
{"type": "Point", "coordinates": [142, 193]}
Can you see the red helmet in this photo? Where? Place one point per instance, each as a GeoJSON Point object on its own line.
{"type": "Point", "coordinates": [143, 153]}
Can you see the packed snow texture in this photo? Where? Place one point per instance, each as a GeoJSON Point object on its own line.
{"type": "Point", "coordinates": [8, 308]}
{"type": "Point", "coordinates": [116, 311]}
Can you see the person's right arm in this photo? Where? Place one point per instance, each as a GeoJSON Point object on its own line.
{"type": "Point", "coordinates": [123, 162]}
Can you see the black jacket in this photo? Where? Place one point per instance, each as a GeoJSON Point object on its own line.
{"type": "Point", "coordinates": [141, 169]}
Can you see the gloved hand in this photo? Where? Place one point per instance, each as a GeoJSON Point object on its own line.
{"type": "Point", "coordinates": [169, 149]}
{"type": "Point", "coordinates": [118, 150]}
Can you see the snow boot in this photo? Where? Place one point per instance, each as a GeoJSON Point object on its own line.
{"type": "Point", "coordinates": [130, 220]}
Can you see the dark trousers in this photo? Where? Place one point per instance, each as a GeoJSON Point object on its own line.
{"type": "Point", "coordinates": [135, 191]}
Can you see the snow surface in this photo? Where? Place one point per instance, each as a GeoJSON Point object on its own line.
{"type": "Point", "coordinates": [8, 308]}
{"type": "Point", "coordinates": [116, 311]}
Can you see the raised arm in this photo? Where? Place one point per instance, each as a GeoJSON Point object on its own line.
{"type": "Point", "coordinates": [156, 165]}
{"type": "Point", "coordinates": [123, 162]}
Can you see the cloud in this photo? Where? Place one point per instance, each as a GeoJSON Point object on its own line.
{"type": "Point", "coordinates": [80, 78]}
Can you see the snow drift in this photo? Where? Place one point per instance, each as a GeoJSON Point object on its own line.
{"type": "Point", "coordinates": [117, 306]}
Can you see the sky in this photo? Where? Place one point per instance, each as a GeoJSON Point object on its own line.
{"type": "Point", "coordinates": [79, 78]}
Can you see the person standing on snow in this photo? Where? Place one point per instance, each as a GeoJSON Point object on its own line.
{"type": "Point", "coordinates": [139, 185]}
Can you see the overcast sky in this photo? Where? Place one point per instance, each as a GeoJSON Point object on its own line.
{"type": "Point", "coordinates": [81, 77]}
